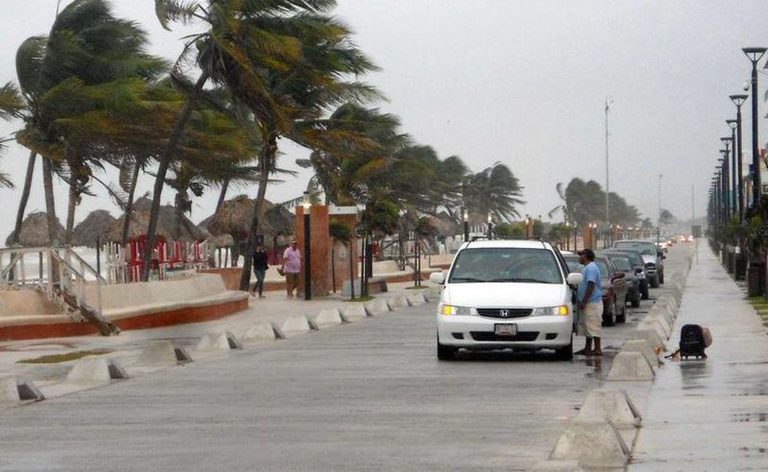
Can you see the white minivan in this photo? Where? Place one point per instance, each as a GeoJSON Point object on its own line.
{"type": "Point", "coordinates": [506, 294]}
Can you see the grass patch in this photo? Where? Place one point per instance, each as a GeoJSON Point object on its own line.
{"type": "Point", "coordinates": [417, 288]}
{"type": "Point", "coordinates": [70, 356]}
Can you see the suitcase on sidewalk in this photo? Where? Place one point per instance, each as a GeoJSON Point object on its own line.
{"type": "Point", "coordinates": [692, 342]}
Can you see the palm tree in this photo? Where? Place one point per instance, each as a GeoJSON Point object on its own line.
{"type": "Point", "coordinates": [10, 107]}
{"type": "Point", "coordinates": [283, 59]}
{"type": "Point", "coordinates": [85, 42]}
{"type": "Point", "coordinates": [494, 190]}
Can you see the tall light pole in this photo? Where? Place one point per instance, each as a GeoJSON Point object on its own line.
{"type": "Point", "coordinates": [465, 217]}
{"type": "Point", "coordinates": [754, 55]}
{"type": "Point", "coordinates": [490, 226]}
{"type": "Point", "coordinates": [608, 103]}
{"type": "Point", "coordinates": [726, 180]}
{"type": "Point", "coordinates": [739, 100]}
{"type": "Point", "coordinates": [734, 172]}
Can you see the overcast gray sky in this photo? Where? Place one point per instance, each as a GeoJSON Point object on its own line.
{"type": "Point", "coordinates": [519, 82]}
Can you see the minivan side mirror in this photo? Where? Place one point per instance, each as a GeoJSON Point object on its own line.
{"type": "Point", "coordinates": [437, 277]}
{"type": "Point", "coordinates": [574, 279]}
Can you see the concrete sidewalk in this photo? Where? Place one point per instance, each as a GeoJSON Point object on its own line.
{"type": "Point", "coordinates": [710, 415]}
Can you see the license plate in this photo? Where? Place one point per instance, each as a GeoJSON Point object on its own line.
{"type": "Point", "coordinates": [505, 329]}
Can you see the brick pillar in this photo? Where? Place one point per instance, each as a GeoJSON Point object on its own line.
{"type": "Point", "coordinates": [343, 252]}
{"type": "Point", "coordinates": [321, 249]}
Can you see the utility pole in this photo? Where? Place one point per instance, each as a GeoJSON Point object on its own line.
{"type": "Point", "coordinates": [608, 103]}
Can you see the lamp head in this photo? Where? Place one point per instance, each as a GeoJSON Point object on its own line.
{"type": "Point", "coordinates": [732, 124]}
{"type": "Point", "coordinates": [307, 203]}
{"type": "Point", "coordinates": [465, 215]}
{"type": "Point", "coordinates": [490, 217]}
{"type": "Point", "coordinates": [739, 99]}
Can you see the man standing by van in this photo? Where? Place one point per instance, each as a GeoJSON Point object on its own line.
{"type": "Point", "coordinates": [590, 303]}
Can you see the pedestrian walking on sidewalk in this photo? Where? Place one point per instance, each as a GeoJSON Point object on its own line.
{"type": "Point", "coordinates": [260, 267]}
{"type": "Point", "coordinates": [589, 297]}
{"type": "Point", "coordinates": [291, 267]}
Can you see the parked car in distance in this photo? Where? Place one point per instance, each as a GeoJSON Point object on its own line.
{"type": "Point", "coordinates": [623, 263]}
{"type": "Point", "coordinates": [639, 265]}
{"type": "Point", "coordinates": [653, 258]}
{"type": "Point", "coordinates": [614, 292]}
{"type": "Point", "coordinates": [506, 294]}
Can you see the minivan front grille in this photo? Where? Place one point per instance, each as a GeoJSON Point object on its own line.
{"type": "Point", "coordinates": [504, 312]}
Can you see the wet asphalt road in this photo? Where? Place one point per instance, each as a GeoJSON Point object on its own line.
{"type": "Point", "coordinates": [365, 396]}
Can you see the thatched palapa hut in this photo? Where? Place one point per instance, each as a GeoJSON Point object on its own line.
{"type": "Point", "coordinates": [235, 216]}
{"type": "Point", "coordinates": [97, 224]}
{"type": "Point", "coordinates": [169, 225]}
{"type": "Point", "coordinates": [34, 231]}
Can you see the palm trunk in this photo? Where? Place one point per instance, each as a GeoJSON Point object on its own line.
{"type": "Point", "coordinates": [222, 194]}
{"type": "Point", "coordinates": [24, 197]}
{"type": "Point", "coordinates": [267, 158]}
{"type": "Point", "coordinates": [162, 170]}
{"type": "Point", "coordinates": [129, 205]}
{"type": "Point", "coordinates": [71, 213]}
{"type": "Point", "coordinates": [50, 206]}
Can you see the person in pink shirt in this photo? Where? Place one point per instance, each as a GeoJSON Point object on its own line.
{"type": "Point", "coordinates": [291, 267]}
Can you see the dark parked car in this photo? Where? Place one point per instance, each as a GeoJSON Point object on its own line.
{"type": "Point", "coordinates": [652, 255]}
{"type": "Point", "coordinates": [639, 265]}
{"type": "Point", "coordinates": [614, 292]}
{"type": "Point", "coordinates": [622, 263]}
{"type": "Point", "coordinates": [614, 287]}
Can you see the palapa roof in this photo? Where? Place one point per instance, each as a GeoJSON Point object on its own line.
{"type": "Point", "coordinates": [235, 215]}
{"type": "Point", "coordinates": [34, 231]}
{"type": "Point", "coordinates": [168, 225]}
{"type": "Point", "coordinates": [97, 224]}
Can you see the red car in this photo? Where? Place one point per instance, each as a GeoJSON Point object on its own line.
{"type": "Point", "coordinates": [614, 292]}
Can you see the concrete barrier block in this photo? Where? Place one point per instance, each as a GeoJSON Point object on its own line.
{"type": "Point", "coordinates": [377, 306]}
{"type": "Point", "coordinates": [416, 299]}
{"type": "Point", "coordinates": [433, 292]}
{"type": "Point", "coordinates": [630, 366]}
{"type": "Point", "coordinates": [295, 325]}
{"type": "Point", "coordinates": [157, 353]}
{"type": "Point", "coordinates": [661, 320]}
{"type": "Point", "coordinates": [396, 302]}
{"type": "Point", "coordinates": [327, 318]}
{"type": "Point", "coordinates": [641, 346]}
{"type": "Point", "coordinates": [557, 466]}
{"type": "Point", "coordinates": [353, 312]}
{"type": "Point", "coordinates": [90, 370]}
{"type": "Point", "coordinates": [9, 390]}
{"type": "Point", "coordinates": [649, 336]}
{"type": "Point", "coordinates": [612, 406]}
{"type": "Point", "coordinates": [592, 445]}
{"type": "Point", "coordinates": [218, 342]}
{"type": "Point", "coordinates": [260, 332]}
{"type": "Point", "coordinates": [651, 324]}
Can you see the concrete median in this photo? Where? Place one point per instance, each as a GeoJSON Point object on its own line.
{"type": "Point", "coordinates": [612, 406]}
{"type": "Point", "coordinates": [377, 306]}
{"type": "Point", "coordinates": [9, 390]}
{"type": "Point", "coordinates": [557, 466]}
{"type": "Point", "coordinates": [259, 332]}
{"type": "Point", "coordinates": [327, 318]}
{"type": "Point", "coordinates": [415, 299]}
{"type": "Point", "coordinates": [630, 366]}
{"type": "Point", "coordinates": [295, 326]}
{"type": "Point", "coordinates": [398, 301]}
{"type": "Point", "coordinates": [158, 353]}
{"type": "Point", "coordinates": [649, 336]}
{"type": "Point", "coordinates": [93, 370]}
{"type": "Point", "coordinates": [353, 312]}
{"type": "Point", "coordinates": [218, 342]}
{"type": "Point", "coordinates": [641, 346]}
{"type": "Point", "coordinates": [596, 444]}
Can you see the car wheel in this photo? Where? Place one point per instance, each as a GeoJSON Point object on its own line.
{"type": "Point", "coordinates": [636, 301]}
{"type": "Point", "coordinates": [645, 293]}
{"type": "Point", "coordinates": [622, 318]}
{"type": "Point", "coordinates": [446, 353]}
{"type": "Point", "coordinates": [565, 353]}
{"type": "Point", "coordinates": [609, 318]}
{"type": "Point", "coordinates": [655, 282]}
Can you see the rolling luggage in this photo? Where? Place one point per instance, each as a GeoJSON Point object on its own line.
{"type": "Point", "coordinates": [692, 341]}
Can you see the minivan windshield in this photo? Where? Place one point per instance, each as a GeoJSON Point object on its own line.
{"type": "Point", "coordinates": [507, 264]}
{"type": "Point", "coordinates": [621, 263]}
{"type": "Point", "coordinates": [646, 249]}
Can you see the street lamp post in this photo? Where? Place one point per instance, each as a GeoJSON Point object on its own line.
{"type": "Point", "coordinates": [307, 249]}
{"type": "Point", "coordinates": [734, 172]}
{"type": "Point", "coordinates": [490, 226]}
{"type": "Point", "coordinates": [726, 180]}
{"type": "Point", "coordinates": [465, 217]}
{"type": "Point", "coordinates": [739, 100]}
{"type": "Point", "coordinates": [608, 103]}
{"type": "Point", "coordinates": [527, 227]}
{"type": "Point", "coordinates": [729, 177]}
{"type": "Point", "coordinates": [754, 55]}
{"type": "Point", "coordinates": [658, 223]}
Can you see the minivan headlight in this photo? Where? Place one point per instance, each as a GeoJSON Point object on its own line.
{"type": "Point", "coordinates": [453, 310]}
{"type": "Point", "coordinates": [561, 310]}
